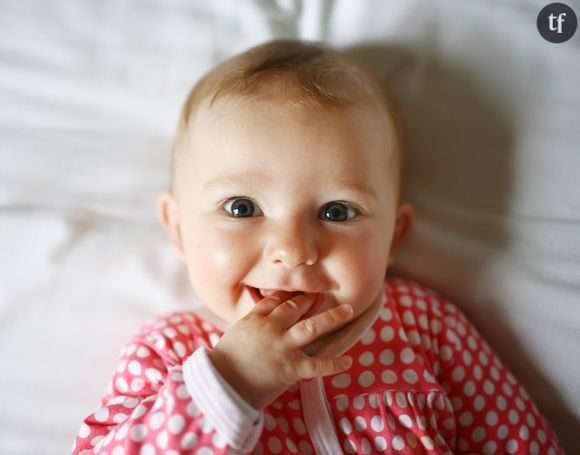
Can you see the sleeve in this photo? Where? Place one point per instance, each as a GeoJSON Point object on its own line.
{"type": "Point", "coordinates": [493, 412]}
{"type": "Point", "coordinates": [162, 399]}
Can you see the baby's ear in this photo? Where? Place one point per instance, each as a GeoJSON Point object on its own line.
{"type": "Point", "coordinates": [168, 214]}
{"type": "Point", "coordinates": [403, 225]}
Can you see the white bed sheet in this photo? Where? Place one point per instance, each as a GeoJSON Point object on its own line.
{"type": "Point", "coordinates": [89, 96]}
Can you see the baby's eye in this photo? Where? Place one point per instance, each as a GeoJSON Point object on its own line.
{"type": "Point", "coordinates": [338, 211]}
{"type": "Point", "coordinates": [242, 207]}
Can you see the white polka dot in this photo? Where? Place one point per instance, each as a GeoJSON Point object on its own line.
{"type": "Point", "coordinates": [542, 436]}
{"type": "Point", "coordinates": [188, 441]}
{"type": "Point", "coordinates": [501, 403]}
{"type": "Point", "coordinates": [358, 402]}
{"type": "Point", "coordinates": [367, 339]}
{"type": "Point", "coordinates": [388, 398]}
{"type": "Point", "coordinates": [137, 384]}
{"type": "Point", "coordinates": [176, 424]}
{"type": "Point", "coordinates": [407, 355]}
{"type": "Point", "coordinates": [291, 446]}
{"type": "Point", "coordinates": [360, 423]}
{"type": "Point", "coordinates": [377, 423]}
{"type": "Point", "coordinates": [380, 443]}
{"type": "Point", "coordinates": [299, 426]}
{"type": "Point", "coordinates": [269, 422]}
{"type": "Point", "coordinates": [507, 389]}
{"type": "Point", "coordinates": [138, 412]}
{"type": "Point", "coordinates": [84, 431]}
{"type": "Point", "coordinates": [153, 375]}
{"type": "Point", "coordinates": [488, 387]}
{"type": "Point", "coordinates": [147, 449]}
{"type": "Point", "coordinates": [122, 432]}
{"type": "Point", "coordinates": [118, 451]}
{"type": "Point", "coordinates": [162, 439]}
{"type": "Point", "coordinates": [179, 348]}
{"type": "Point", "coordinates": [531, 420]}
{"type": "Point", "coordinates": [502, 432]}
{"type": "Point", "coordinates": [414, 337]}
{"type": "Point", "coordinates": [513, 416]}
{"type": "Point", "coordinates": [387, 334]}
{"type": "Point", "coordinates": [446, 353]}
{"type": "Point", "coordinates": [366, 358]}
{"type": "Point", "coordinates": [366, 379]}
{"type": "Point", "coordinates": [427, 442]}
{"type": "Point", "coordinates": [138, 432]}
{"type": "Point", "coordinates": [435, 326]}
{"type": "Point", "coordinates": [156, 420]}
{"type": "Point", "coordinates": [365, 446]}
{"type": "Point", "coordinates": [467, 359]}
{"type": "Point", "coordinates": [349, 446]}
{"type": "Point", "coordinates": [389, 377]}
{"type": "Point", "coordinates": [479, 403]}
{"type": "Point", "coordinates": [489, 448]}
{"type": "Point", "coordinates": [491, 418]}
{"type": "Point", "coordinates": [405, 421]}
{"type": "Point", "coordinates": [398, 443]}
{"type": "Point", "coordinates": [341, 402]}
{"type": "Point", "coordinates": [458, 374]}
{"type": "Point", "coordinates": [410, 376]}
{"type": "Point", "coordinates": [524, 433]}
{"type": "Point", "coordinates": [400, 399]}
{"type": "Point", "coordinates": [134, 368]}
{"type": "Point", "coordinates": [421, 422]}
{"type": "Point", "coordinates": [192, 409]}
{"type": "Point", "coordinates": [102, 414]}
{"type": "Point", "coordinates": [386, 314]}
{"type": "Point", "coordinates": [282, 424]}
{"type": "Point", "coordinates": [340, 381]}
{"type": "Point", "coordinates": [478, 434]}
{"type": "Point", "coordinates": [387, 357]}
{"type": "Point", "coordinates": [121, 385]}
{"type": "Point", "coordinates": [534, 448]}
{"type": "Point", "coordinates": [274, 444]}
{"type": "Point", "coordinates": [182, 392]}
{"type": "Point", "coordinates": [143, 352]}
{"type": "Point", "coordinates": [469, 388]}
{"type": "Point", "coordinates": [466, 419]}
{"type": "Point", "coordinates": [170, 332]}
{"type": "Point", "coordinates": [345, 425]}
{"type": "Point", "coordinates": [512, 446]}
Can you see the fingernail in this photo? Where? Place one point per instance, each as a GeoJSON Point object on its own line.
{"type": "Point", "coordinates": [346, 309]}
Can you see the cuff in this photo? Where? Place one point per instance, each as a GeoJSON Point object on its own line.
{"type": "Point", "coordinates": [234, 419]}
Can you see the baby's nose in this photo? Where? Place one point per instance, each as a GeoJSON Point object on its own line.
{"type": "Point", "coordinates": [292, 247]}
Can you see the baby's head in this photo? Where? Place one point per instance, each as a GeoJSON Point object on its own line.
{"type": "Point", "coordinates": [286, 175]}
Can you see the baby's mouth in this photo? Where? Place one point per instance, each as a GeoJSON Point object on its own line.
{"type": "Point", "coordinates": [260, 294]}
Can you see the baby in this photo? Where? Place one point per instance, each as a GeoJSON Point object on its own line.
{"type": "Point", "coordinates": [286, 208]}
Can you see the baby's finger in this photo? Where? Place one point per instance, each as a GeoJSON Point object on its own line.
{"type": "Point", "coordinates": [292, 309]}
{"type": "Point", "coordinates": [312, 367]}
{"type": "Point", "coordinates": [268, 304]}
{"type": "Point", "coordinates": [308, 330]}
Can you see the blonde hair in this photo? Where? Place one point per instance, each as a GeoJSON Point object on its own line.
{"type": "Point", "coordinates": [295, 73]}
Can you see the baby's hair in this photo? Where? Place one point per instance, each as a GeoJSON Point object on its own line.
{"type": "Point", "coordinates": [295, 73]}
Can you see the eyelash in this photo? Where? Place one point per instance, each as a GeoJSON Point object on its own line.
{"type": "Point", "coordinates": [357, 209]}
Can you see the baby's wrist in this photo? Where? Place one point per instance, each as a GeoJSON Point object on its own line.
{"type": "Point", "coordinates": [229, 373]}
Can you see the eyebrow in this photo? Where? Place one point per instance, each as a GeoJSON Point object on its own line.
{"type": "Point", "coordinates": [253, 176]}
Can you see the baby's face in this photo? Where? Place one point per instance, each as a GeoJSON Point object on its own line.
{"type": "Point", "coordinates": [278, 198]}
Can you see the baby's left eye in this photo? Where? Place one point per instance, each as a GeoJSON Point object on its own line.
{"type": "Point", "coordinates": [338, 211]}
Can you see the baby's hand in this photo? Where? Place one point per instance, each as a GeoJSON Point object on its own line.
{"type": "Point", "coordinates": [260, 356]}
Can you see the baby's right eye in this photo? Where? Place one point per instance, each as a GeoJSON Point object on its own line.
{"type": "Point", "coordinates": [241, 207]}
